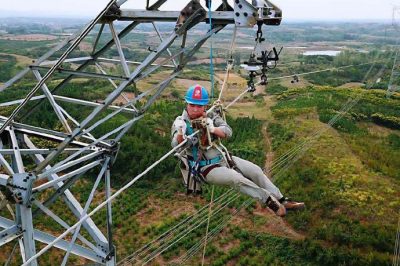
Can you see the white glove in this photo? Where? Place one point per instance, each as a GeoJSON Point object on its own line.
{"type": "Point", "coordinates": [209, 123]}
{"type": "Point", "coordinates": [180, 125]}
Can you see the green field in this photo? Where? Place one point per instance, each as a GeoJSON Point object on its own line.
{"type": "Point", "coordinates": [347, 173]}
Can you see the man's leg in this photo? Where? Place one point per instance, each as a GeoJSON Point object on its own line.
{"type": "Point", "coordinates": [228, 177]}
{"type": "Point", "coordinates": [255, 173]}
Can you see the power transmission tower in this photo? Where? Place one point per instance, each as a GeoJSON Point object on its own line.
{"type": "Point", "coordinates": [394, 82]}
{"type": "Point", "coordinates": [41, 164]}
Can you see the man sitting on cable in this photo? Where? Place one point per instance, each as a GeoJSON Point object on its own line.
{"type": "Point", "coordinates": [206, 160]}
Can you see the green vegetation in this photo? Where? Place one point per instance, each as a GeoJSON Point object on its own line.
{"type": "Point", "coordinates": [348, 175]}
{"type": "Point", "coordinates": [7, 67]}
{"type": "Point", "coordinates": [350, 181]}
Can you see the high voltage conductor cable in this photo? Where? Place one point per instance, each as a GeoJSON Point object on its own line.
{"type": "Point", "coordinates": [104, 203]}
{"type": "Point", "coordinates": [315, 72]}
{"type": "Point", "coordinates": [218, 228]}
{"type": "Point", "coordinates": [54, 68]}
{"type": "Point", "coordinates": [183, 234]}
{"type": "Point", "coordinates": [282, 159]}
{"type": "Point", "coordinates": [86, 216]}
{"type": "Point", "coordinates": [396, 257]}
{"type": "Point", "coordinates": [305, 145]}
{"type": "Point", "coordinates": [171, 241]}
{"type": "Point", "coordinates": [320, 71]}
{"type": "Point", "coordinates": [290, 76]}
{"type": "Point", "coordinates": [208, 225]}
{"type": "Point", "coordinates": [240, 96]}
{"type": "Point", "coordinates": [177, 227]}
{"type": "Point", "coordinates": [332, 121]}
{"type": "Point", "coordinates": [389, 90]}
{"type": "Point", "coordinates": [165, 246]}
{"type": "Point", "coordinates": [350, 105]}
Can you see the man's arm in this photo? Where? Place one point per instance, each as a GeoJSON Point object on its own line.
{"type": "Point", "coordinates": [219, 133]}
{"type": "Point", "coordinates": [177, 131]}
{"type": "Point", "coordinates": [219, 127]}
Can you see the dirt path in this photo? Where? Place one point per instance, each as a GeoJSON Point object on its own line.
{"type": "Point", "coordinates": [21, 60]}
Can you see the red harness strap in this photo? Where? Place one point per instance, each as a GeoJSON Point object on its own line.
{"type": "Point", "coordinates": [208, 170]}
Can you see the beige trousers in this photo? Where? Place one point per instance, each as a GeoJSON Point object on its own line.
{"type": "Point", "coordinates": [250, 180]}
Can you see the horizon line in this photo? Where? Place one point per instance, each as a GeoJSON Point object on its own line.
{"type": "Point", "coordinates": [79, 17]}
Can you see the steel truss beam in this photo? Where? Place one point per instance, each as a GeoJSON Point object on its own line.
{"type": "Point", "coordinates": [47, 238]}
{"type": "Point", "coordinates": [77, 142]}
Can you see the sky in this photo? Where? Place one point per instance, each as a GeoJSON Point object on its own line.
{"type": "Point", "coordinates": [337, 10]}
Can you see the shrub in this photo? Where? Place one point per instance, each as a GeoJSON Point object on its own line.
{"type": "Point", "coordinates": [387, 121]}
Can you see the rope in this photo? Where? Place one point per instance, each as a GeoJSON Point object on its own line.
{"type": "Point", "coordinates": [229, 63]}
{"type": "Point", "coordinates": [169, 232]}
{"type": "Point", "coordinates": [345, 109]}
{"type": "Point", "coordinates": [116, 194]}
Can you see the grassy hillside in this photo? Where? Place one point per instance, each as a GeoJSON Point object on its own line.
{"type": "Point", "coordinates": [348, 174]}
{"type": "Point", "coordinates": [348, 178]}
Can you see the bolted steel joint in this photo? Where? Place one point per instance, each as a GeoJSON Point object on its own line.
{"type": "Point", "coordinates": [21, 188]}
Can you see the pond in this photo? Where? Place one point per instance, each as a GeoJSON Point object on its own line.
{"type": "Point", "coordinates": [326, 52]}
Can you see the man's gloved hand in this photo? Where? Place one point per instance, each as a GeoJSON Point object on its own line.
{"type": "Point", "coordinates": [180, 124]}
{"type": "Point", "coordinates": [208, 123]}
{"type": "Point", "coordinates": [192, 140]}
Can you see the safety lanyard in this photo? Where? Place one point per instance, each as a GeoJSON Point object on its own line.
{"type": "Point", "coordinates": [195, 149]}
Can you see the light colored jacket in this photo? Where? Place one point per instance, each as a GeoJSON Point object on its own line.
{"type": "Point", "coordinates": [191, 184]}
{"type": "Point", "coordinates": [218, 123]}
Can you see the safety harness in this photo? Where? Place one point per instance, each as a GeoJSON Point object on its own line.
{"type": "Point", "coordinates": [195, 164]}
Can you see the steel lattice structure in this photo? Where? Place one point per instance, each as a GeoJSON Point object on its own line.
{"type": "Point", "coordinates": [75, 148]}
{"type": "Point", "coordinates": [394, 85]}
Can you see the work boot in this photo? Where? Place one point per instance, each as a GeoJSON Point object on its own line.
{"type": "Point", "coordinates": [274, 205]}
{"type": "Point", "coordinates": [291, 205]}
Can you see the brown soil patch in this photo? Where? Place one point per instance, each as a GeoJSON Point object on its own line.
{"type": "Point", "coordinates": [21, 60]}
{"type": "Point", "coordinates": [186, 83]}
{"type": "Point", "coordinates": [157, 211]}
{"type": "Point", "coordinates": [29, 37]}
{"type": "Point", "coordinates": [207, 61]}
{"type": "Point", "coordinates": [121, 100]}
{"type": "Point", "coordinates": [274, 225]}
{"type": "Point", "coordinates": [377, 130]}
{"type": "Point", "coordinates": [233, 79]}
{"type": "Point", "coordinates": [351, 85]}
{"type": "Point", "coordinates": [85, 47]}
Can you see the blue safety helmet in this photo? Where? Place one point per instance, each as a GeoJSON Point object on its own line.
{"type": "Point", "coordinates": [197, 95]}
